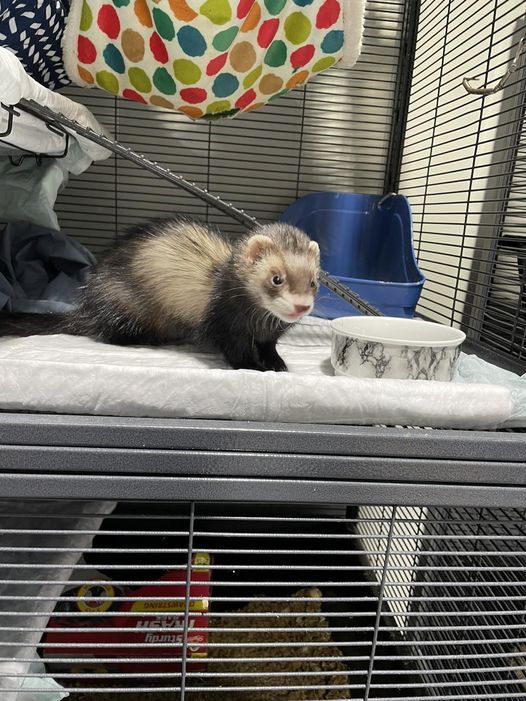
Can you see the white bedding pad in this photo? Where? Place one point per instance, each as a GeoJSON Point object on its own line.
{"type": "Point", "coordinates": [71, 375]}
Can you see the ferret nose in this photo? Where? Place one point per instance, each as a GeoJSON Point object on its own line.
{"type": "Point", "coordinates": [301, 308]}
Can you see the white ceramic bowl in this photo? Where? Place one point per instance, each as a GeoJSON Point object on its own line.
{"type": "Point", "coordinates": [381, 346]}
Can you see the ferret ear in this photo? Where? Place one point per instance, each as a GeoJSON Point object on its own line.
{"type": "Point", "coordinates": [257, 246]}
{"type": "Point", "coordinates": [314, 251]}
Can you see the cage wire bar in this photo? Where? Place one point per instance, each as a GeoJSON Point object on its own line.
{"type": "Point", "coordinates": [462, 169]}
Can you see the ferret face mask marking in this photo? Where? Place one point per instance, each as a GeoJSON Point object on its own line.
{"type": "Point", "coordinates": [283, 282]}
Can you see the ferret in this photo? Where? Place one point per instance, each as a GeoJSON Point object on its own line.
{"type": "Point", "coordinates": [176, 281]}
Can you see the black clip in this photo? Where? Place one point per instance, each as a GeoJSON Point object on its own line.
{"type": "Point", "coordinates": [11, 112]}
{"type": "Point", "coordinates": [39, 157]}
{"type": "Point", "coordinates": [56, 129]}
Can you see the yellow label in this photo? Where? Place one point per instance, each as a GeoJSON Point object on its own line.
{"type": "Point", "coordinates": [202, 560]}
{"type": "Point", "coordinates": [169, 606]}
{"type": "Point", "coordinates": [95, 589]}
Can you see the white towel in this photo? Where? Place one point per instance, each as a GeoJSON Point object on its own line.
{"type": "Point", "coordinates": [33, 613]}
{"type": "Point", "coordinates": [31, 133]}
{"type": "Point", "coordinates": [76, 375]}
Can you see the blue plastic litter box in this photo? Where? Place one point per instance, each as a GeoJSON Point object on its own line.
{"type": "Point", "coordinates": [366, 242]}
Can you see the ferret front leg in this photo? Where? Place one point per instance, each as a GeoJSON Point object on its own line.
{"type": "Point", "coordinates": [242, 357]}
{"type": "Point", "coordinates": [270, 357]}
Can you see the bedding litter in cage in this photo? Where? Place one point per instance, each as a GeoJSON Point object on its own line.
{"type": "Point", "coordinates": [318, 673]}
{"type": "Point", "coordinates": [315, 673]}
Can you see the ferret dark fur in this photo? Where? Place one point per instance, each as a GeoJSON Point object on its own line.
{"type": "Point", "coordinates": [175, 281]}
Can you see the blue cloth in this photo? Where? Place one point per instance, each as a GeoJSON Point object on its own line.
{"type": "Point", "coordinates": [40, 269]}
{"type": "Point", "coordinates": [32, 30]}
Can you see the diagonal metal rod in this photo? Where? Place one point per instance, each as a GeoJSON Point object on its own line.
{"type": "Point", "coordinates": [227, 208]}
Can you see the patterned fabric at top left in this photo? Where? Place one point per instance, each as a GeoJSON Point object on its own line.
{"type": "Point", "coordinates": [32, 30]}
{"type": "Point", "coordinates": [208, 59]}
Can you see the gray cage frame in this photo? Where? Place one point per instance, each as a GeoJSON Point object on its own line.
{"type": "Point", "coordinates": [86, 457]}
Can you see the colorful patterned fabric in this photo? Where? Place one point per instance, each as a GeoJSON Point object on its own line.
{"type": "Point", "coordinates": [32, 30]}
{"type": "Point", "coordinates": [205, 58]}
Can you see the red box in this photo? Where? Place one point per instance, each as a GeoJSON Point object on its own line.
{"type": "Point", "coordinates": [157, 633]}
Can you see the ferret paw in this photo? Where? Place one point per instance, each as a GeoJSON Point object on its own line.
{"type": "Point", "coordinates": [270, 358]}
{"type": "Point", "coordinates": [245, 363]}
{"type": "Point", "coordinates": [266, 359]}
{"type": "Point", "coordinates": [276, 364]}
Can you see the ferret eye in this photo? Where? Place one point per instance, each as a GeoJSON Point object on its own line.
{"type": "Point", "coordinates": [277, 280]}
{"type": "Point", "coordinates": [313, 284]}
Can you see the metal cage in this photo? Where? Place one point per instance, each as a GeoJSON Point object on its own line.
{"type": "Point", "coordinates": [364, 563]}
{"type": "Point", "coordinates": [302, 601]}
{"type": "Point", "coordinates": [311, 562]}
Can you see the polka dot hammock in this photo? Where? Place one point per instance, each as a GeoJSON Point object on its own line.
{"type": "Point", "coordinates": [208, 59]}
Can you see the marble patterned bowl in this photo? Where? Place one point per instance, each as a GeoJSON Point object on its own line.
{"type": "Point", "coordinates": [407, 349]}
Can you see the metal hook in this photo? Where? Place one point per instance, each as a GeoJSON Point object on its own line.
{"type": "Point", "coordinates": [16, 161]}
{"type": "Point", "coordinates": [56, 129]}
{"type": "Point", "coordinates": [39, 157]}
{"type": "Point", "coordinates": [11, 111]}
{"type": "Point", "coordinates": [466, 82]}
{"type": "Point", "coordinates": [382, 201]}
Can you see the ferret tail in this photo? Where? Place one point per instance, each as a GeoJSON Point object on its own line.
{"type": "Point", "coordinates": [29, 324]}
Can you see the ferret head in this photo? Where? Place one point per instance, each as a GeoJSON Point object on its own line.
{"type": "Point", "coordinates": [281, 267]}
